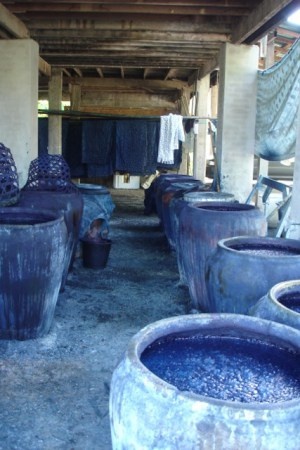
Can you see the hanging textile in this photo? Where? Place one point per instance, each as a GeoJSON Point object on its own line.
{"type": "Point", "coordinates": [136, 146]}
{"type": "Point", "coordinates": [98, 146]}
{"type": "Point", "coordinates": [171, 132]}
{"type": "Point", "coordinates": [278, 94]}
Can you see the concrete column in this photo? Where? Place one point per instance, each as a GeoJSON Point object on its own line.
{"type": "Point", "coordinates": [214, 100]}
{"type": "Point", "coordinates": [200, 143]}
{"type": "Point", "coordinates": [293, 225]}
{"type": "Point", "coordinates": [19, 96]}
{"type": "Point", "coordinates": [236, 118]}
{"type": "Point", "coordinates": [55, 122]}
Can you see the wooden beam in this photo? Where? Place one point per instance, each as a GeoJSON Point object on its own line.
{"type": "Point", "coordinates": [261, 15]}
{"type": "Point", "coordinates": [44, 67]}
{"type": "Point", "coordinates": [78, 71]}
{"type": "Point", "coordinates": [12, 24]}
{"type": "Point", "coordinates": [114, 83]}
{"type": "Point", "coordinates": [100, 72]}
{"type": "Point", "coordinates": [37, 9]}
{"type": "Point", "coordinates": [67, 73]}
{"type": "Point", "coordinates": [199, 3]}
{"type": "Point", "coordinates": [108, 24]}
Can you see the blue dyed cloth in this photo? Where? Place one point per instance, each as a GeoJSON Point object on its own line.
{"type": "Point", "coordinates": [136, 146]}
{"type": "Point", "coordinates": [98, 147]}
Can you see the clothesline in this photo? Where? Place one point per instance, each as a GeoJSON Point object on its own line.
{"type": "Point", "coordinates": [69, 113]}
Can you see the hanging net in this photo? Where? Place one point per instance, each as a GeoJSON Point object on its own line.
{"type": "Point", "coordinates": [49, 173]}
{"type": "Point", "coordinates": [278, 94]}
{"type": "Point", "coordinates": [9, 181]}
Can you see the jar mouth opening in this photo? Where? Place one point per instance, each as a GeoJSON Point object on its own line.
{"type": "Point", "coordinates": [223, 206]}
{"type": "Point", "coordinates": [286, 295]}
{"type": "Point", "coordinates": [224, 324]}
{"type": "Point", "coordinates": [15, 216]}
{"type": "Point", "coordinates": [263, 246]}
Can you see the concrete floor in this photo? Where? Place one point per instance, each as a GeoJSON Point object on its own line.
{"type": "Point", "coordinates": [54, 390]}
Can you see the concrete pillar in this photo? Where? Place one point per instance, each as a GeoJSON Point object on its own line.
{"type": "Point", "coordinates": [200, 143]}
{"type": "Point", "coordinates": [55, 122]}
{"type": "Point", "coordinates": [19, 96]}
{"type": "Point", "coordinates": [214, 100]}
{"type": "Point", "coordinates": [293, 224]}
{"type": "Point", "coordinates": [236, 118]}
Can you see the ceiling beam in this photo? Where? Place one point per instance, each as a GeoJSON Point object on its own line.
{"type": "Point", "coordinates": [12, 24]}
{"type": "Point", "coordinates": [44, 67]}
{"type": "Point", "coordinates": [35, 9]}
{"type": "Point", "coordinates": [78, 71]}
{"type": "Point", "coordinates": [100, 72]}
{"type": "Point", "coordinates": [112, 83]}
{"type": "Point", "coordinates": [259, 19]}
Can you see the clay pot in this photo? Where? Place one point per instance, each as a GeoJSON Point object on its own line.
{"type": "Point", "coordinates": [243, 269]}
{"type": "Point", "coordinates": [162, 183]}
{"type": "Point", "coordinates": [201, 226]}
{"type": "Point", "coordinates": [281, 304]}
{"type": "Point", "coordinates": [176, 206]}
{"type": "Point", "coordinates": [148, 412]}
{"type": "Point", "coordinates": [32, 249]}
{"type": "Point", "coordinates": [174, 191]}
{"type": "Point", "coordinates": [70, 204]}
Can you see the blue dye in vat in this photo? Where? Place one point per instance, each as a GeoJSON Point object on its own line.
{"type": "Point", "coordinates": [291, 301]}
{"type": "Point", "coordinates": [226, 368]}
{"type": "Point", "coordinates": [266, 250]}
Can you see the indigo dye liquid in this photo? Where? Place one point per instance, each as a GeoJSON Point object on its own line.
{"type": "Point", "coordinates": [291, 301]}
{"type": "Point", "coordinates": [226, 368]}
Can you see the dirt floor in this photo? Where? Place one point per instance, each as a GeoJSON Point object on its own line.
{"type": "Point", "coordinates": [54, 390]}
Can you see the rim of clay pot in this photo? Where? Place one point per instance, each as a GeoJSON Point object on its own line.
{"type": "Point", "coordinates": [215, 195]}
{"type": "Point", "coordinates": [284, 287]}
{"type": "Point", "coordinates": [41, 217]}
{"type": "Point", "coordinates": [223, 207]}
{"type": "Point", "coordinates": [230, 244]}
{"type": "Point", "coordinates": [219, 323]}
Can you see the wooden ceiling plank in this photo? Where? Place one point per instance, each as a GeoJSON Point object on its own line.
{"type": "Point", "coordinates": [29, 8]}
{"type": "Point", "coordinates": [223, 3]}
{"type": "Point", "coordinates": [12, 24]}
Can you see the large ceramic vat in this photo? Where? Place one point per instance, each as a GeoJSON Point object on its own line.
{"type": "Point", "coordinates": [175, 191]}
{"type": "Point", "coordinates": [243, 269]}
{"type": "Point", "coordinates": [176, 206]}
{"type": "Point", "coordinates": [201, 226]}
{"type": "Point", "coordinates": [281, 304]}
{"type": "Point", "coordinates": [32, 249]}
{"type": "Point", "coordinates": [262, 408]}
{"type": "Point", "coordinates": [162, 183]}
{"type": "Point", "coordinates": [70, 204]}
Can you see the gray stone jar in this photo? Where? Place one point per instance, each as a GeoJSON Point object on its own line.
{"type": "Point", "coordinates": [281, 304]}
{"type": "Point", "coordinates": [242, 269]}
{"type": "Point", "coordinates": [149, 413]}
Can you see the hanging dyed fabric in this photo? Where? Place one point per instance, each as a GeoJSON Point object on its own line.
{"type": "Point", "coordinates": [278, 94]}
{"type": "Point", "coordinates": [171, 132]}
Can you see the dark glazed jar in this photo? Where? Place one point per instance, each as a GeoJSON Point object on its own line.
{"type": "Point", "coordinates": [281, 304]}
{"type": "Point", "coordinates": [70, 204]}
{"type": "Point", "coordinates": [32, 249]}
{"type": "Point", "coordinates": [175, 190]}
{"type": "Point", "coordinates": [148, 412]}
{"type": "Point", "coordinates": [201, 226]}
{"type": "Point", "coordinates": [243, 269]}
{"type": "Point", "coordinates": [176, 206]}
{"type": "Point", "coordinates": [162, 183]}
